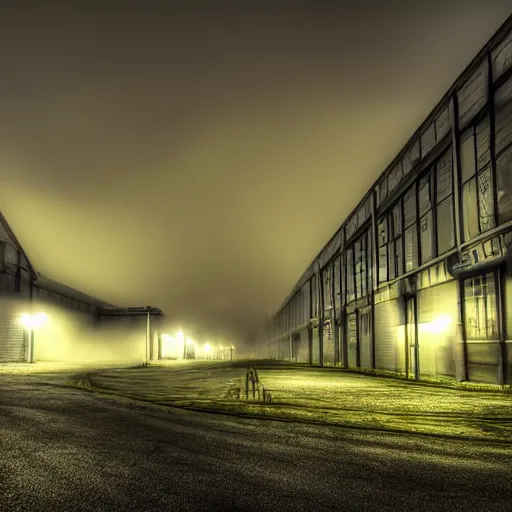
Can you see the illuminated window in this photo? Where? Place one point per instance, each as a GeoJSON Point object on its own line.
{"type": "Point", "coordinates": [480, 308]}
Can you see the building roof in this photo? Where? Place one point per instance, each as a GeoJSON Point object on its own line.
{"type": "Point", "coordinates": [11, 238]}
{"type": "Point", "coordinates": [56, 287]}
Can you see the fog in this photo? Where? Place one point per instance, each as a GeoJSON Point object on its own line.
{"type": "Point", "coordinates": [74, 337]}
{"type": "Point", "coordinates": [196, 156]}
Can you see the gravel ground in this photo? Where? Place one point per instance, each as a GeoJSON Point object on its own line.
{"type": "Point", "coordinates": [387, 403]}
{"type": "Point", "coordinates": [62, 449]}
{"type": "Point", "coordinates": [313, 395]}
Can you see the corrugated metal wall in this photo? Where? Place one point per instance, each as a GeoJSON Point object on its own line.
{"type": "Point", "coordinates": [13, 348]}
{"type": "Point", "coordinates": [437, 319]}
{"type": "Point", "coordinates": [387, 320]}
{"type": "Point", "coordinates": [302, 346]}
{"type": "Point", "coordinates": [352, 341]}
{"type": "Point", "coordinates": [365, 338]}
{"type": "Point", "coordinates": [315, 353]}
{"type": "Point", "coordinates": [328, 346]}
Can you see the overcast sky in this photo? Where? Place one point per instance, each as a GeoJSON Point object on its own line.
{"type": "Point", "coordinates": [197, 156]}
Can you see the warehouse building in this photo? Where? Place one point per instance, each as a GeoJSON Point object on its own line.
{"type": "Point", "coordinates": [43, 320]}
{"type": "Point", "coordinates": [417, 280]}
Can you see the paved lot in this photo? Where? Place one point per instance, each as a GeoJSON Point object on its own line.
{"type": "Point", "coordinates": [66, 449]}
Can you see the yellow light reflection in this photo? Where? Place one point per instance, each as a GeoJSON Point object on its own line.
{"type": "Point", "coordinates": [33, 321]}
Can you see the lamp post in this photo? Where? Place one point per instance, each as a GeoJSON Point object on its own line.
{"type": "Point", "coordinates": [231, 348]}
{"type": "Point", "coordinates": [148, 332]}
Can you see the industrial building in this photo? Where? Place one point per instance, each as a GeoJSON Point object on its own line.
{"type": "Point", "coordinates": [43, 320]}
{"type": "Point", "coordinates": [417, 280]}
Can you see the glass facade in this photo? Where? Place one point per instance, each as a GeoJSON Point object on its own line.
{"type": "Point", "coordinates": [451, 186]}
{"type": "Point", "coordinates": [480, 310]}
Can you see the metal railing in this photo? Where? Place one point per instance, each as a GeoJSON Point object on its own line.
{"type": "Point", "coordinates": [254, 389]}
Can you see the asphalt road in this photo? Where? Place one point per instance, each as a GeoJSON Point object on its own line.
{"type": "Point", "coordinates": [64, 449]}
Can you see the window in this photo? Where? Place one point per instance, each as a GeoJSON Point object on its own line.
{"type": "Point", "coordinates": [350, 275]}
{"type": "Point", "coordinates": [410, 231]}
{"type": "Point", "coordinates": [442, 124]}
{"type": "Point", "coordinates": [361, 265]}
{"type": "Point", "coordinates": [502, 57]}
{"type": "Point", "coordinates": [383, 250]}
{"type": "Point", "coordinates": [314, 297]}
{"type": "Point", "coordinates": [337, 283]}
{"type": "Point", "coordinates": [428, 139]}
{"type": "Point", "coordinates": [503, 102]}
{"type": "Point", "coordinates": [326, 284]}
{"type": "Point", "coordinates": [472, 96]}
{"type": "Point", "coordinates": [480, 308]}
{"type": "Point", "coordinates": [477, 189]}
{"type": "Point", "coordinates": [395, 260]}
{"type": "Point", "coordinates": [369, 259]}
{"type": "Point", "coordinates": [444, 203]}
{"type": "Point", "coordinates": [390, 245]}
{"type": "Point", "coordinates": [425, 204]}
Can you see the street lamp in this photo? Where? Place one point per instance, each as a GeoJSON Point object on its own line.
{"type": "Point", "coordinates": [231, 348]}
{"type": "Point", "coordinates": [207, 350]}
{"type": "Point", "coordinates": [32, 322]}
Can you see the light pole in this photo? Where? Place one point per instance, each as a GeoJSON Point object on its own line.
{"type": "Point", "coordinates": [231, 348]}
{"type": "Point", "coordinates": [148, 332]}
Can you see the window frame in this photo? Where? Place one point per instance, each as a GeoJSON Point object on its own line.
{"type": "Point", "coordinates": [486, 299]}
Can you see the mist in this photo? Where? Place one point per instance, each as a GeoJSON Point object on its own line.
{"type": "Point", "coordinates": [196, 156]}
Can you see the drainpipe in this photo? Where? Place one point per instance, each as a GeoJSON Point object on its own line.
{"type": "Point", "coordinates": [321, 315]}
{"type": "Point", "coordinates": [31, 330]}
{"type": "Point", "coordinates": [148, 332]}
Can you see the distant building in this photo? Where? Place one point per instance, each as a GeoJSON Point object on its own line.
{"type": "Point", "coordinates": [43, 320]}
{"type": "Point", "coordinates": [417, 279]}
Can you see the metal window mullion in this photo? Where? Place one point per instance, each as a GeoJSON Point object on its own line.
{"type": "Point", "coordinates": [433, 207]}
{"type": "Point", "coordinates": [492, 137]}
{"type": "Point", "coordinates": [417, 221]}
{"type": "Point", "coordinates": [485, 295]}
{"type": "Point", "coordinates": [456, 172]}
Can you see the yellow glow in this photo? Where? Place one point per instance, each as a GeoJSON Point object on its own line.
{"type": "Point", "coordinates": [33, 321]}
{"type": "Point", "coordinates": [440, 324]}
{"type": "Point", "coordinates": [171, 346]}
{"type": "Point", "coordinates": [180, 335]}
{"type": "Point", "coordinates": [207, 348]}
